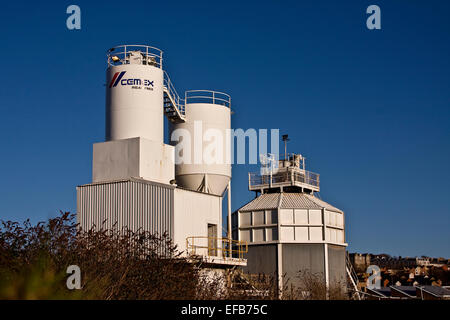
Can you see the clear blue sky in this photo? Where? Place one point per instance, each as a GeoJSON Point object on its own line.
{"type": "Point", "coordinates": [369, 109]}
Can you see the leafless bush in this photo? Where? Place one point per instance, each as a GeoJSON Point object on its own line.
{"type": "Point", "coordinates": [252, 286]}
{"type": "Point", "coordinates": [115, 264]}
{"type": "Point", "coordinates": [311, 286]}
{"type": "Point", "coordinates": [123, 264]}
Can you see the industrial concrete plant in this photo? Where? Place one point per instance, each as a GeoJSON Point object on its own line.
{"type": "Point", "coordinates": [138, 184]}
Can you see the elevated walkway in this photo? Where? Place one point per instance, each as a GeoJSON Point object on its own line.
{"type": "Point", "coordinates": [217, 251]}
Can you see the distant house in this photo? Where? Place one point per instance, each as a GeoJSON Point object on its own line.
{"type": "Point", "coordinates": [409, 292]}
{"type": "Point", "coordinates": [403, 292]}
{"type": "Point", "coordinates": [378, 294]}
{"type": "Point", "coordinates": [360, 261]}
{"type": "Point", "coordinates": [403, 271]}
{"type": "Point", "coordinates": [419, 271]}
{"type": "Point", "coordinates": [423, 261]}
{"type": "Point", "coordinates": [432, 293]}
{"type": "Point", "coordinates": [391, 292]}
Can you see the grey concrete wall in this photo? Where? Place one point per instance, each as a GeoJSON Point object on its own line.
{"type": "Point", "coordinates": [262, 259]}
{"type": "Point", "coordinates": [298, 257]}
{"type": "Point", "coordinates": [302, 257]}
{"type": "Point", "coordinates": [336, 263]}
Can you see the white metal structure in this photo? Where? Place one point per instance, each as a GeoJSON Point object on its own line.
{"type": "Point", "coordinates": [208, 117]}
{"type": "Point", "coordinates": [288, 229]}
{"type": "Point", "coordinates": [290, 173]}
{"type": "Point", "coordinates": [134, 157]}
{"type": "Point", "coordinates": [134, 171]}
{"type": "Point", "coordinates": [138, 91]}
{"type": "Point", "coordinates": [134, 93]}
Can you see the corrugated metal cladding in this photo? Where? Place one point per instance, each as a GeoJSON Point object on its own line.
{"type": "Point", "coordinates": [298, 201]}
{"type": "Point", "coordinates": [288, 201]}
{"type": "Point", "coordinates": [264, 201]}
{"type": "Point", "coordinates": [324, 204]}
{"type": "Point", "coordinates": [129, 203]}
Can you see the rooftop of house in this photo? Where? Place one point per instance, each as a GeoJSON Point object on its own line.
{"type": "Point", "coordinates": [436, 291]}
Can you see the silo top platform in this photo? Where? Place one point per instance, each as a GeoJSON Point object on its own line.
{"type": "Point", "coordinates": [135, 54]}
{"type": "Point", "coordinates": [289, 175]}
{"type": "Point", "coordinates": [208, 96]}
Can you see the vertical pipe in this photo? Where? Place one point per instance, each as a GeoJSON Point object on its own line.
{"type": "Point", "coordinates": [325, 248]}
{"type": "Point", "coordinates": [327, 274]}
{"type": "Point", "coordinates": [271, 170]}
{"type": "Point", "coordinates": [280, 267]}
{"type": "Point", "coordinates": [229, 218]}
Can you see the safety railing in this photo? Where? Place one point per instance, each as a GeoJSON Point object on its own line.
{"type": "Point", "coordinates": [207, 96]}
{"type": "Point", "coordinates": [216, 247]}
{"type": "Point", "coordinates": [179, 103]}
{"type": "Point", "coordinates": [145, 55]}
{"type": "Point", "coordinates": [288, 156]}
{"type": "Point", "coordinates": [353, 277]}
{"type": "Point", "coordinates": [256, 180]}
{"type": "Point", "coordinates": [307, 177]}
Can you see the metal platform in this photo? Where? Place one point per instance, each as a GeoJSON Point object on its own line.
{"type": "Point", "coordinates": [285, 177]}
{"type": "Point", "coordinates": [217, 251]}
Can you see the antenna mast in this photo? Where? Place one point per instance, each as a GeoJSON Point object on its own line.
{"type": "Point", "coordinates": [285, 138]}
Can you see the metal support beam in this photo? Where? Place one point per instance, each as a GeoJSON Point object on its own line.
{"type": "Point", "coordinates": [229, 215]}
{"type": "Point", "coordinates": [280, 270]}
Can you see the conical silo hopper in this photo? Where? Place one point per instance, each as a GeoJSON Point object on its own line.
{"type": "Point", "coordinates": [207, 140]}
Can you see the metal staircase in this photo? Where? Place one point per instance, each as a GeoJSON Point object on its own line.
{"type": "Point", "coordinates": [352, 276]}
{"type": "Point", "coordinates": [174, 106]}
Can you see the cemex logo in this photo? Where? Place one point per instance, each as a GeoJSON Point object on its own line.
{"type": "Point", "coordinates": [117, 79]}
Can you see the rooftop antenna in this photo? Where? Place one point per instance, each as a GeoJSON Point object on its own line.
{"type": "Point", "coordinates": [285, 138]}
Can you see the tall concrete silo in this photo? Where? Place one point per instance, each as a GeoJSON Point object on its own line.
{"type": "Point", "coordinates": [134, 93]}
{"type": "Point", "coordinates": [208, 123]}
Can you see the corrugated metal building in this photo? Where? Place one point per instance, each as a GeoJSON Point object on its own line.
{"type": "Point", "coordinates": [134, 203]}
{"type": "Point", "coordinates": [140, 204]}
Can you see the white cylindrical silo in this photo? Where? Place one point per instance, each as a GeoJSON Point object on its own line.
{"type": "Point", "coordinates": [134, 93]}
{"type": "Point", "coordinates": [208, 122]}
